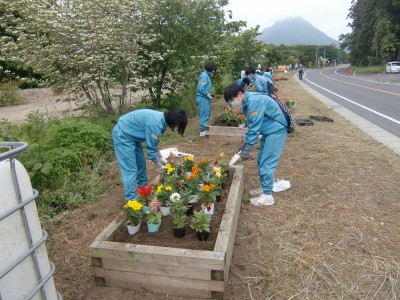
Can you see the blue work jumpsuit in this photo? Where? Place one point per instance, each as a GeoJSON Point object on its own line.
{"type": "Point", "coordinates": [260, 84]}
{"type": "Point", "coordinates": [202, 99]}
{"type": "Point", "coordinates": [265, 118]}
{"type": "Point", "coordinates": [133, 128]}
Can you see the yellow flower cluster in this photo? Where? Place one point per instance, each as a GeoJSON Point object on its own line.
{"type": "Point", "coordinates": [133, 204]}
{"type": "Point", "coordinates": [188, 158]}
{"type": "Point", "coordinates": [169, 168]}
{"type": "Point", "coordinates": [217, 171]}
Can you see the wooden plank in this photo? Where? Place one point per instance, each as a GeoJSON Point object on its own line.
{"type": "Point", "coordinates": [231, 212]}
{"type": "Point", "coordinates": [158, 255]}
{"type": "Point", "coordinates": [156, 269]}
{"type": "Point", "coordinates": [227, 231]}
{"type": "Point", "coordinates": [158, 284]}
{"type": "Point", "coordinates": [226, 129]}
{"type": "Point", "coordinates": [108, 233]}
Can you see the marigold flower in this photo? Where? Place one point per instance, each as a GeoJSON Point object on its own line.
{"type": "Point", "coordinates": [188, 158]}
{"type": "Point", "coordinates": [222, 154]}
{"type": "Point", "coordinates": [168, 188]}
{"type": "Point", "coordinates": [206, 188]}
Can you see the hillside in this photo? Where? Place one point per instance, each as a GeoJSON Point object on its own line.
{"type": "Point", "coordinates": [295, 31]}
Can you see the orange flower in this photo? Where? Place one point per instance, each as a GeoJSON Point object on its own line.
{"type": "Point", "coordinates": [206, 188]}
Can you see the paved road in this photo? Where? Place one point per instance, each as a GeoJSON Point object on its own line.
{"type": "Point", "coordinates": [372, 105]}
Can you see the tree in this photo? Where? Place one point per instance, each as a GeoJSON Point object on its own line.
{"type": "Point", "coordinates": [375, 36]}
{"type": "Point", "coordinates": [185, 35]}
{"type": "Point", "coordinates": [87, 47]}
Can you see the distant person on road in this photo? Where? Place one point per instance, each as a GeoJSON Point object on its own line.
{"type": "Point", "coordinates": [204, 96]}
{"type": "Point", "coordinates": [264, 118]}
{"type": "Point", "coordinates": [301, 71]}
{"type": "Point", "coordinates": [135, 127]}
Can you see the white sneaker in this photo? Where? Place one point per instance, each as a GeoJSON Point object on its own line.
{"type": "Point", "coordinates": [263, 200]}
{"type": "Point", "coordinates": [281, 185]}
{"type": "Point", "coordinates": [202, 133]}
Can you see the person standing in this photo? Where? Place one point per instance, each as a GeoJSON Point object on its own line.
{"type": "Point", "coordinates": [265, 118]}
{"type": "Point", "coordinates": [135, 127]}
{"type": "Point", "coordinates": [204, 96]}
{"type": "Point", "coordinates": [301, 71]}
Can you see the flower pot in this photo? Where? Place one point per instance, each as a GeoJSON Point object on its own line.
{"type": "Point", "coordinates": [165, 211]}
{"type": "Point", "coordinates": [179, 232]}
{"type": "Point", "coordinates": [206, 178]}
{"type": "Point", "coordinates": [153, 227]}
{"type": "Point", "coordinates": [189, 210]}
{"type": "Point", "coordinates": [193, 198]}
{"type": "Point", "coordinates": [145, 209]}
{"type": "Point", "coordinates": [208, 211]}
{"type": "Point", "coordinates": [133, 229]}
{"type": "Point", "coordinates": [203, 236]}
{"type": "Point", "coordinates": [218, 199]}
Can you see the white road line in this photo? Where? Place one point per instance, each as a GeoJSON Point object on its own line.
{"type": "Point", "coordinates": [355, 103]}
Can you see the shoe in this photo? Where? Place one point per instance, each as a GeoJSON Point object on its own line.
{"type": "Point", "coordinates": [281, 185]}
{"type": "Point", "coordinates": [262, 200]}
{"type": "Point", "coordinates": [202, 133]}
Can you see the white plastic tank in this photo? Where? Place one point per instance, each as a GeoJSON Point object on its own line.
{"type": "Point", "coordinates": [21, 236]}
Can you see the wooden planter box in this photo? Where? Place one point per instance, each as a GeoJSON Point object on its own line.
{"type": "Point", "coordinates": [174, 271]}
{"type": "Point", "coordinates": [226, 134]}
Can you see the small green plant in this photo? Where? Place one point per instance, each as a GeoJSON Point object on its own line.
{"type": "Point", "coordinates": [9, 94]}
{"type": "Point", "coordinates": [178, 215]}
{"type": "Point", "coordinates": [200, 221]}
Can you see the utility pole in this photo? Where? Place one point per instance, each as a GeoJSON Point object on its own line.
{"type": "Point", "coordinates": [324, 57]}
{"type": "Point", "coordinates": [316, 57]}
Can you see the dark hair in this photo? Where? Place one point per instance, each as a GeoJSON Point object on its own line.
{"type": "Point", "coordinates": [246, 80]}
{"type": "Point", "coordinates": [232, 91]}
{"type": "Point", "coordinates": [250, 70]}
{"type": "Point", "coordinates": [176, 118]}
{"type": "Point", "coordinates": [211, 67]}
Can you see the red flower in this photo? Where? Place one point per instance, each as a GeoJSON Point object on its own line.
{"type": "Point", "coordinates": [215, 161]}
{"type": "Point", "coordinates": [145, 190]}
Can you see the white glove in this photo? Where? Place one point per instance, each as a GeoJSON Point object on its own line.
{"type": "Point", "coordinates": [210, 96]}
{"type": "Point", "coordinates": [163, 160]}
{"type": "Point", "coordinates": [162, 168]}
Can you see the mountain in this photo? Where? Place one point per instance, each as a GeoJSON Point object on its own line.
{"type": "Point", "coordinates": [295, 31]}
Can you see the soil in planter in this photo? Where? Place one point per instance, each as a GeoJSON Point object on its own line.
{"type": "Point", "coordinates": [218, 122]}
{"type": "Point", "coordinates": [165, 237]}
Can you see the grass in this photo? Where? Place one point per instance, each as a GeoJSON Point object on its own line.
{"type": "Point", "coordinates": [368, 70]}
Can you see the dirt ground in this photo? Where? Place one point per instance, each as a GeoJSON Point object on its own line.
{"type": "Point", "coordinates": [334, 235]}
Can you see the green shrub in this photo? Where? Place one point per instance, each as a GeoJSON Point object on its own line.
{"type": "Point", "coordinates": [9, 94]}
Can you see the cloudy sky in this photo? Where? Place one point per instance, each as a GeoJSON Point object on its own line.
{"type": "Point", "coordinates": [329, 17]}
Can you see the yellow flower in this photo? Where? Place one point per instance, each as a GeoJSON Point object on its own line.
{"type": "Point", "coordinates": [159, 189]}
{"type": "Point", "coordinates": [133, 204]}
{"type": "Point", "coordinates": [222, 154]}
{"type": "Point", "coordinates": [168, 188]}
{"type": "Point", "coordinates": [188, 158]}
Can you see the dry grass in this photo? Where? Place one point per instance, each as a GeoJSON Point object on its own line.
{"type": "Point", "coordinates": [334, 235]}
